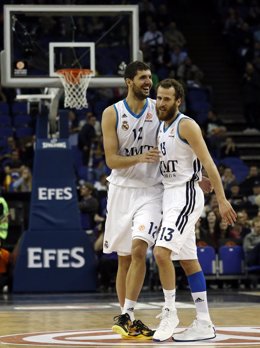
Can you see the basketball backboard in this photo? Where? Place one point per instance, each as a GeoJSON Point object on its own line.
{"type": "Point", "coordinates": [40, 39]}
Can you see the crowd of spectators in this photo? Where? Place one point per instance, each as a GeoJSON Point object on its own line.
{"type": "Point", "coordinates": [241, 32]}
{"type": "Point", "coordinates": [166, 50]}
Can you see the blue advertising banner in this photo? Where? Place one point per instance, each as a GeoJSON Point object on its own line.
{"type": "Point", "coordinates": [55, 254]}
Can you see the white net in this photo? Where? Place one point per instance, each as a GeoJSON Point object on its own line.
{"type": "Point", "coordinates": [75, 83]}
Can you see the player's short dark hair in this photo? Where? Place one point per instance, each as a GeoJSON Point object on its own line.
{"type": "Point", "coordinates": [168, 83]}
{"type": "Point", "coordinates": [132, 69]}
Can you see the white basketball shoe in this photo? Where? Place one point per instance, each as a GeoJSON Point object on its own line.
{"type": "Point", "coordinates": [198, 331]}
{"type": "Point", "coordinates": [168, 323]}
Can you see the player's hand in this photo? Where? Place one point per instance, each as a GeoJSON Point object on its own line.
{"type": "Point", "coordinates": [205, 185]}
{"type": "Point", "coordinates": [151, 156]}
{"type": "Point", "coordinates": [227, 213]}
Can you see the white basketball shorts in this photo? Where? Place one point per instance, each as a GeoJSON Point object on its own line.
{"type": "Point", "coordinates": [133, 213]}
{"type": "Point", "coordinates": [182, 207]}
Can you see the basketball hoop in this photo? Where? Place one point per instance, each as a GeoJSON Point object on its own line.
{"type": "Point", "coordinates": [75, 83]}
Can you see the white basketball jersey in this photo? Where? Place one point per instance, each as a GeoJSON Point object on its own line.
{"type": "Point", "coordinates": [136, 134]}
{"type": "Point", "coordinates": [178, 163]}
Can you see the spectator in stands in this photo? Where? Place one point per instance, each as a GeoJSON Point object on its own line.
{"type": "Point", "coordinates": [240, 229]}
{"type": "Point", "coordinates": [210, 205]}
{"type": "Point", "coordinates": [151, 39]}
{"type": "Point", "coordinates": [247, 185]}
{"type": "Point", "coordinates": [177, 56]}
{"type": "Point", "coordinates": [253, 16]}
{"type": "Point", "coordinates": [256, 192]}
{"type": "Point", "coordinates": [11, 143]}
{"type": "Point", "coordinates": [101, 184]}
{"type": "Point", "coordinates": [24, 182]}
{"type": "Point", "coordinates": [27, 147]}
{"type": "Point", "coordinates": [73, 127]}
{"type": "Point", "coordinates": [235, 197]}
{"type": "Point", "coordinates": [251, 100]}
{"type": "Point", "coordinates": [208, 229]}
{"type": "Point", "coordinates": [88, 204]}
{"type": "Point", "coordinates": [244, 38]}
{"type": "Point", "coordinates": [174, 36]}
{"type": "Point", "coordinates": [14, 160]}
{"type": "Point", "coordinates": [97, 124]}
{"type": "Point", "coordinates": [86, 138]}
{"type": "Point", "coordinates": [4, 220]}
{"type": "Point", "coordinates": [10, 178]}
{"type": "Point", "coordinates": [161, 63]}
{"type": "Point", "coordinates": [163, 16]}
{"type": "Point", "coordinates": [215, 132]}
{"type": "Point", "coordinates": [222, 232]}
{"type": "Point", "coordinates": [229, 149]}
{"type": "Point", "coordinates": [228, 178]}
{"type": "Point", "coordinates": [73, 122]}
{"type": "Point", "coordinates": [251, 244]}
{"type": "Point", "coordinates": [4, 268]}
{"type": "Point", "coordinates": [146, 7]}
{"type": "Point", "coordinates": [190, 74]}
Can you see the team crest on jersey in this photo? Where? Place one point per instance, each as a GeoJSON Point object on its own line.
{"type": "Point", "coordinates": [141, 228]}
{"type": "Point", "coordinates": [149, 117]}
{"type": "Point", "coordinates": [124, 116]}
{"type": "Point", "coordinates": [125, 125]}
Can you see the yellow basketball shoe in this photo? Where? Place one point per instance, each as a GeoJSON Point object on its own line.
{"type": "Point", "coordinates": [122, 325]}
{"type": "Point", "coordinates": [140, 331]}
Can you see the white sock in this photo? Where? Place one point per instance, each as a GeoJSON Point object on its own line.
{"type": "Point", "coordinates": [169, 298]}
{"type": "Point", "coordinates": [201, 303]}
{"type": "Point", "coordinates": [129, 308]}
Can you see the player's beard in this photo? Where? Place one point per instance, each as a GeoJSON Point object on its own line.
{"type": "Point", "coordinates": [139, 94]}
{"type": "Point", "coordinates": [167, 115]}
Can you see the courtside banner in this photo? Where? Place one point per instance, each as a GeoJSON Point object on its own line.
{"type": "Point", "coordinates": [55, 254]}
{"type": "Point", "coordinates": [55, 261]}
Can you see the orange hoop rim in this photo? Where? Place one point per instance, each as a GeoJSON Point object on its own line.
{"type": "Point", "coordinates": [74, 72]}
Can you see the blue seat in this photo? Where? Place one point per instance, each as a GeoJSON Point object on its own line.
{"type": "Point", "coordinates": [6, 132]}
{"type": "Point", "coordinates": [199, 106]}
{"type": "Point", "coordinates": [19, 108]}
{"type": "Point", "coordinates": [207, 259]}
{"type": "Point", "coordinates": [23, 132]}
{"type": "Point", "coordinates": [231, 260]}
{"type": "Point", "coordinates": [4, 108]}
{"type": "Point", "coordinates": [5, 120]}
{"type": "Point", "coordinates": [21, 120]}
{"type": "Point", "coordinates": [197, 94]}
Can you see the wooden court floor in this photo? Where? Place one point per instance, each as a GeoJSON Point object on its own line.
{"type": "Point", "coordinates": [85, 320]}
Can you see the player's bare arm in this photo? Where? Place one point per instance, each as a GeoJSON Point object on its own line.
{"type": "Point", "coordinates": [190, 131]}
{"type": "Point", "coordinates": [113, 159]}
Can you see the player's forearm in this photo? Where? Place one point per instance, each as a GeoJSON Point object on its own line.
{"type": "Point", "coordinates": [215, 180]}
{"type": "Point", "coordinates": [120, 162]}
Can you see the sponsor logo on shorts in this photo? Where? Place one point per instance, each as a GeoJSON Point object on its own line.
{"type": "Point", "coordinates": [106, 244]}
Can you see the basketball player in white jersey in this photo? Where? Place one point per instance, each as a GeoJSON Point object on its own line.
{"type": "Point", "coordinates": [130, 129]}
{"type": "Point", "coordinates": [183, 153]}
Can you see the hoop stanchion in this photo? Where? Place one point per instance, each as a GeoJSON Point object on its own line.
{"type": "Point", "coordinates": [75, 83]}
